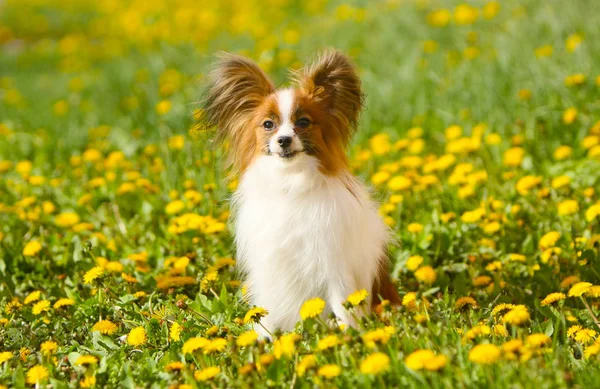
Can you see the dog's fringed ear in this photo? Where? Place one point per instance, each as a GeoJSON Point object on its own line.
{"type": "Point", "coordinates": [236, 87]}
{"type": "Point", "coordinates": [332, 80]}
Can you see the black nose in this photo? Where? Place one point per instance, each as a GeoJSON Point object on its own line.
{"type": "Point", "coordinates": [284, 141]}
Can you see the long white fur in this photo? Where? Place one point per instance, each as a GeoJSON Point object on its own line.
{"type": "Point", "coordinates": [301, 234]}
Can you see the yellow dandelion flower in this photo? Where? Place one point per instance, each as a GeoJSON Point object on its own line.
{"type": "Point", "coordinates": [285, 345]}
{"type": "Point", "coordinates": [86, 360]}
{"type": "Point", "coordinates": [306, 363]}
{"type": "Point", "coordinates": [215, 345]}
{"type": "Point", "coordinates": [5, 356]}
{"type": "Point", "coordinates": [399, 183]}
{"type": "Point", "coordinates": [569, 115]}
{"type": "Point", "coordinates": [329, 371]}
{"type": "Point", "coordinates": [93, 274]}
{"type": "Point", "coordinates": [358, 297]}
{"type": "Point", "coordinates": [67, 219]}
{"type": "Point", "coordinates": [592, 212]}
{"type": "Point", "coordinates": [37, 374]}
{"type": "Point", "coordinates": [568, 207]}
{"type": "Point", "coordinates": [415, 228]}
{"type": "Point", "coordinates": [380, 335]}
{"type": "Point", "coordinates": [246, 339]}
{"type": "Point", "coordinates": [464, 303]}
{"type": "Point", "coordinates": [573, 42]}
{"type": "Point", "coordinates": [207, 373]}
{"type": "Point", "coordinates": [175, 332]}
{"type": "Point", "coordinates": [549, 240]}
{"type": "Point", "coordinates": [513, 157]}
{"type": "Point", "coordinates": [585, 335]}
{"type": "Point", "coordinates": [537, 340]}
{"type": "Point", "coordinates": [579, 289]}
{"type": "Point", "coordinates": [425, 359]}
{"type": "Point", "coordinates": [517, 315]}
{"type": "Point", "coordinates": [413, 262]}
{"type": "Point", "coordinates": [49, 347]}
{"type": "Point", "coordinates": [33, 296]}
{"type": "Point", "coordinates": [426, 274]}
{"type": "Point", "coordinates": [484, 354]}
{"type": "Point", "coordinates": [328, 342]}
{"type": "Point", "coordinates": [105, 327]}
{"type": "Point", "coordinates": [40, 306]}
{"type": "Point", "coordinates": [254, 315]}
{"type": "Point", "coordinates": [174, 366]}
{"type": "Point", "coordinates": [32, 248]}
{"type": "Point", "coordinates": [552, 298]}
{"type": "Point", "coordinates": [193, 344]}
{"type": "Point", "coordinates": [375, 363]}
{"type": "Point", "coordinates": [137, 337]}
{"type": "Point", "coordinates": [312, 308]}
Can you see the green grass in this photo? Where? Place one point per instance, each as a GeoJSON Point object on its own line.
{"type": "Point", "coordinates": [129, 182]}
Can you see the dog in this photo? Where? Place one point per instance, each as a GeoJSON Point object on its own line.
{"type": "Point", "coordinates": [304, 226]}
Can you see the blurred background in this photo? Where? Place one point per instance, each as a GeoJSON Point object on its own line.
{"type": "Point", "coordinates": [137, 65]}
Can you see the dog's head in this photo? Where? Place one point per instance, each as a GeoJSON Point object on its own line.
{"type": "Point", "coordinates": [315, 118]}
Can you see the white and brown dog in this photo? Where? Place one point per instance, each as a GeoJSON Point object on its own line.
{"type": "Point", "coordinates": [305, 227]}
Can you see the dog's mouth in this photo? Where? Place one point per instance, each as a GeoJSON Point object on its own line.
{"type": "Point", "coordinates": [289, 154]}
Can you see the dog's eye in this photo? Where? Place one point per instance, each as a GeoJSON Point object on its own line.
{"type": "Point", "coordinates": [303, 123]}
{"type": "Point", "coordinates": [268, 124]}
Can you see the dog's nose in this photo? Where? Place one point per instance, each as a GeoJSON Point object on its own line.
{"type": "Point", "coordinates": [284, 141]}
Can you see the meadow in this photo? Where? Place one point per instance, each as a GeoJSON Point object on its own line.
{"type": "Point", "coordinates": [480, 140]}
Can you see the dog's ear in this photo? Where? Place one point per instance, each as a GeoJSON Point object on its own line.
{"type": "Point", "coordinates": [236, 86]}
{"type": "Point", "coordinates": [332, 80]}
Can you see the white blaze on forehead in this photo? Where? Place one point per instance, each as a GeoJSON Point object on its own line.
{"type": "Point", "coordinates": [285, 103]}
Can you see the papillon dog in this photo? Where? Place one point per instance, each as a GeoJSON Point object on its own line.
{"type": "Point", "coordinates": [304, 226]}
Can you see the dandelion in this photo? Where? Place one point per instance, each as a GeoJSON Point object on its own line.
{"type": "Point", "coordinates": [484, 354]}
{"type": "Point", "coordinates": [37, 374]}
{"type": "Point", "coordinates": [573, 42]}
{"type": "Point", "coordinates": [5, 356]}
{"type": "Point", "coordinates": [464, 303]}
{"type": "Point", "coordinates": [247, 339]}
{"type": "Point", "coordinates": [358, 297]}
{"type": "Point", "coordinates": [413, 262]}
{"type": "Point", "coordinates": [207, 373]}
{"type": "Point", "coordinates": [517, 315]}
{"type": "Point", "coordinates": [86, 360]}
{"type": "Point", "coordinates": [32, 248]}
{"type": "Point", "coordinates": [254, 315]}
{"type": "Point", "coordinates": [415, 228]}
{"type": "Point", "coordinates": [92, 274]}
{"type": "Point", "coordinates": [537, 340]}
{"type": "Point", "coordinates": [175, 332]}
{"type": "Point", "coordinates": [585, 335]}
{"type": "Point", "coordinates": [579, 289]}
{"type": "Point", "coordinates": [569, 115]}
{"type": "Point", "coordinates": [549, 240]}
{"type": "Point", "coordinates": [513, 157]}
{"type": "Point", "coordinates": [285, 346]}
{"type": "Point", "coordinates": [163, 107]}
{"type": "Point", "coordinates": [174, 366]}
{"type": "Point", "coordinates": [306, 363]}
{"type": "Point", "coordinates": [137, 337]}
{"type": "Point", "coordinates": [375, 363]}
{"type": "Point", "coordinates": [425, 359]}
{"type": "Point", "coordinates": [327, 342]}
{"type": "Point", "coordinates": [568, 207]}
{"type": "Point", "coordinates": [105, 327]}
{"type": "Point", "coordinates": [329, 371]}
{"type": "Point", "coordinates": [193, 344]}
{"type": "Point", "coordinates": [40, 307]}
{"type": "Point", "coordinates": [562, 153]}
{"type": "Point", "coordinates": [592, 212]}
{"type": "Point", "coordinates": [380, 335]}
{"type": "Point", "coordinates": [49, 347]}
{"type": "Point", "coordinates": [426, 274]}
{"type": "Point", "coordinates": [174, 207]}
{"type": "Point", "coordinates": [312, 308]}
{"type": "Point", "coordinates": [67, 219]}
{"type": "Point", "coordinates": [553, 298]}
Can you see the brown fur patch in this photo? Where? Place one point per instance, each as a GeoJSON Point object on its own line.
{"type": "Point", "coordinates": [236, 88]}
{"type": "Point", "coordinates": [384, 288]}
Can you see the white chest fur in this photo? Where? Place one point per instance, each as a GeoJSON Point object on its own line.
{"type": "Point", "coordinates": [300, 234]}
